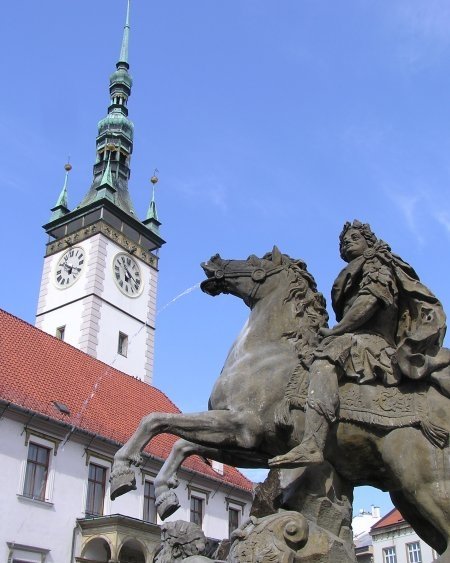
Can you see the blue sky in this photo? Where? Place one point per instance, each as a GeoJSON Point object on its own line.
{"type": "Point", "coordinates": [269, 122]}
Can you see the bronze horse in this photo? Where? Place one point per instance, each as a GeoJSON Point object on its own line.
{"type": "Point", "coordinates": [239, 429]}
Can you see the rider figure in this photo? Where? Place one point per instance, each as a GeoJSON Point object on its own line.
{"type": "Point", "coordinates": [389, 327]}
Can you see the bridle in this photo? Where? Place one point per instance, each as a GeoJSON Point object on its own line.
{"type": "Point", "coordinates": [258, 275]}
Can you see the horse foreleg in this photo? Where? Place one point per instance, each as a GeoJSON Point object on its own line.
{"type": "Point", "coordinates": [211, 429]}
{"type": "Point", "coordinates": [166, 499]}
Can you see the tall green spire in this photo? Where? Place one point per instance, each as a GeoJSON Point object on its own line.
{"type": "Point", "coordinates": [115, 134]}
{"type": "Point", "coordinates": [108, 201]}
{"type": "Point", "coordinates": [126, 38]}
{"type": "Point", "coordinates": [61, 207]}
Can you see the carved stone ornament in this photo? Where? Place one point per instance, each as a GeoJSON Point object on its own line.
{"type": "Point", "coordinates": [277, 538]}
{"type": "Point", "coordinates": [180, 541]}
{"type": "Point", "coordinates": [112, 234]}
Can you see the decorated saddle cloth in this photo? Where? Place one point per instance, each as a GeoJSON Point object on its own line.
{"type": "Point", "coordinates": [410, 404]}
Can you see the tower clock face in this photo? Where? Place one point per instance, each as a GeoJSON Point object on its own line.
{"type": "Point", "coordinates": [69, 267]}
{"type": "Point", "coordinates": [127, 275]}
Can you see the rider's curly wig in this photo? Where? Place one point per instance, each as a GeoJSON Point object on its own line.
{"type": "Point", "coordinates": [363, 228]}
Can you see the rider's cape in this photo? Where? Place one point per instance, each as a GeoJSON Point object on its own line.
{"type": "Point", "coordinates": [421, 318]}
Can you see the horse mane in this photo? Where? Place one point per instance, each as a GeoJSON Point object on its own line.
{"type": "Point", "coordinates": [309, 306]}
{"type": "Point", "coordinates": [310, 314]}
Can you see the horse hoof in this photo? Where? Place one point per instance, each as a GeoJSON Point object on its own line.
{"type": "Point", "coordinates": [166, 504]}
{"type": "Point", "coordinates": [173, 483]}
{"type": "Point", "coordinates": [122, 481]}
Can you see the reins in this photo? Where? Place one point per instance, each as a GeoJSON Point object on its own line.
{"type": "Point", "coordinates": [258, 275]}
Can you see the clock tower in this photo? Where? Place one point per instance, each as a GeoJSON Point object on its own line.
{"type": "Point", "coordinates": [99, 281]}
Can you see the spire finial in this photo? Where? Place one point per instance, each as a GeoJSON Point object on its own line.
{"type": "Point", "coordinates": [126, 37]}
{"type": "Point", "coordinates": [154, 180]}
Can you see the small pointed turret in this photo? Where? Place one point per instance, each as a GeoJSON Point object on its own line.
{"type": "Point", "coordinates": [151, 221]}
{"type": "Point", "coordinates": [106, 187]}
{"type": "Point", "coordinates": [61, 207]}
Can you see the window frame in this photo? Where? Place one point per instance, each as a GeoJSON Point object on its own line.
{"type": "Point", "coordinates": [17, 553]}
{"type": "Point", "coordinates": [237, 512]}
{"type": "Point", "coordinates": [32, 464]}
{"type": "Point", "coordinates": [61, 332]}
{"type": "Point", "coordinates": [149, 506]}
{"type": "Point", "coordinates": [413, 553]}
{"type": "Point", "coordinates": [197, 507]}
{"type": "Point", "coordinates": [122, 344]}
{"type": "Point", "coordinates": [102, 483]}
{"type": "Point", "coordinates": [390, 557]}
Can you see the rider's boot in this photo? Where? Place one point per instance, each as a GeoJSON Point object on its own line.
{"type": "Point", "coordinates": [310, 450]}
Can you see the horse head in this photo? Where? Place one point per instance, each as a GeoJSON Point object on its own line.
{"type": "Point", "coordinates": [248, 279]}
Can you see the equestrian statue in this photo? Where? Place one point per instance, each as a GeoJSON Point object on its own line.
{"type": "Point", "coordinates": [363, 403]}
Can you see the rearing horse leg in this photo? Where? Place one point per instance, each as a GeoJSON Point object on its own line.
{"type": "Point", "coordinates": [166, 499]}
{"type": "Point", "coordinates": [211, 429]}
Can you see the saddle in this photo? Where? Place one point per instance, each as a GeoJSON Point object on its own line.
{"type": "Point", "coordinates": [412, 403]}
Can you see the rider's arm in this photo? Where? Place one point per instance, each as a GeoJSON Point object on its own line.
{"type": "Point", "coordinates": [377, 290]}
{"type": "Point", "coordinates": [362, 309]}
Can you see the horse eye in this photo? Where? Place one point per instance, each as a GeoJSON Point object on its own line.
{"type": "Point", "coordinates": [253, 259]}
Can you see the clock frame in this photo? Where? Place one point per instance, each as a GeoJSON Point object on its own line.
{"type": "Point", "coordinates": [69, 267]}
{"type": "Point", "coordinates": [127, 275]}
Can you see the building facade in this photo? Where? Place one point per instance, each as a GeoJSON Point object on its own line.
{"type": "Point", "coordinates": [395, 541]}
{"type": "Point", "coordinates": [361, 525]}
{"type": "Point", "coordinates": [100, 274]}
{"type": "Point", "coordinates": [63, 415]}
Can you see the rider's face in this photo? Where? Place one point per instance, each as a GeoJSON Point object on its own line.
{"type": "Point", "coordinates": [353, 244]}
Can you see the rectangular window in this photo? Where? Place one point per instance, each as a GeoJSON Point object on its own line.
{"type": "Point", "coordinates": [233, 520]}
{"type": "Point", "coordinates": [37, 472]}
{"type": "Point", "coordinates": [414, 552]}
{"type": "Point", "coordinates": [60, 332]}
{"type": "Point", "coordinates": [96, 490]}
{"type": "Point", "coordinates": [389, 555]}
{"type": "Point", "coordinates": [197, 510]}
{"type": "Point", "coordinates": [149, 502]}
{"type": "Point", "coordinates": [122, 347]}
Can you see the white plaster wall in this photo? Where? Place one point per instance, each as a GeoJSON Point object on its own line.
{"type": "Point", "coordinates": [129, 317]}
{"type": "Point", "coordinates": [110, 323]}
{"type": "Point", "coordinates": [50, 525]}
{"type": "Point", "coordinates": [400, 539]}
{"type": "Point", "coordinates": [94, 310]}
{"type": "Point", "coordinates": [70, 317]}
{"type": "Point", "coordinates": [28, 522]}
{"type": "Point", "coordinates": [50, 295]}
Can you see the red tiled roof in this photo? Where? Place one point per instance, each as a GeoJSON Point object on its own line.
{"type": "Point", "coordinates": [37, 369]}
{"type": "Point", "coordinates": [393, 517]}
